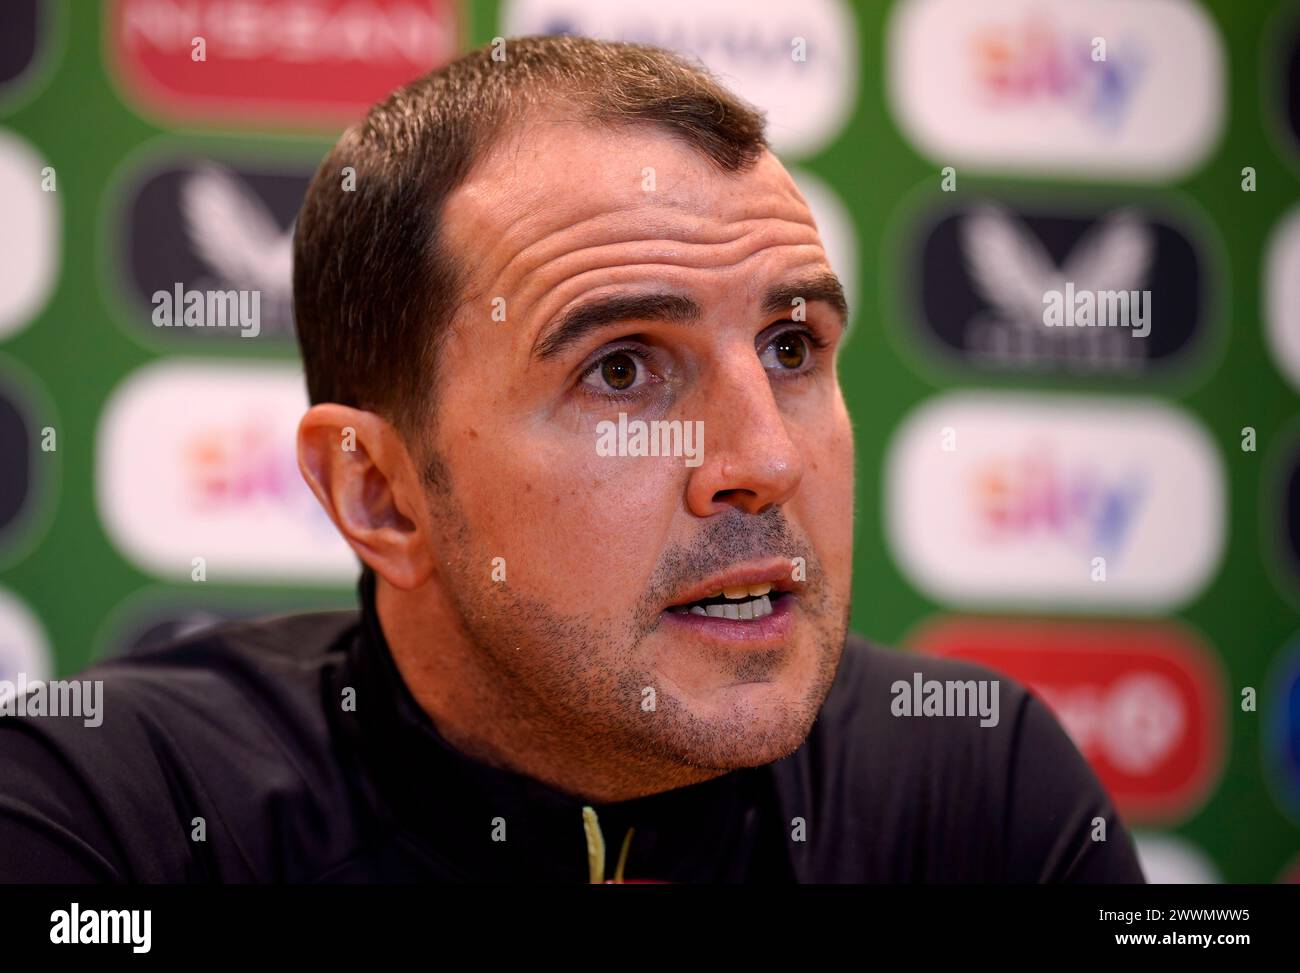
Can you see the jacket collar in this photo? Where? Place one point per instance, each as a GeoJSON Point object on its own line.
{"type": "Point", "coordinates": [450, 807]}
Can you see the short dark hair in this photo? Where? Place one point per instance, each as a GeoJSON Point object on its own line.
{"type": "Point", "coordinates": [373, 286]}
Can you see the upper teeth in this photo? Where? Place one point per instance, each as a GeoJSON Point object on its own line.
{"type": "Point", "coordinates": [745, 610]}
{"type": "Point", "coordinates": [751, 602]}
{"type": "Point", "coordinates": [744, 591]}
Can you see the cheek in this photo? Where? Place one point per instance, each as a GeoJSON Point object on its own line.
{"type": "Point", "coordinates": [578, 530]}
{"type": "Point", "coordinates": [827, 491]}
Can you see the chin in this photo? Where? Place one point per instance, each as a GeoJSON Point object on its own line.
{"type": "Point", "coordinates": [748, 752]}
{"type": "Point", "coordinates": [745, 725]}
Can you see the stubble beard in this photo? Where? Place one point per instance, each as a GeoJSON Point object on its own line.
{"type": "Point", "coordinates": [581, 687]}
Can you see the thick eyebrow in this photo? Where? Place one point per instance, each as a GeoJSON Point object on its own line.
{"type": "Point", "coordinates": [585, 318]}
{"type": "Point", "coordinates": [824, 287]}
{"type": "Point", "coordinates": [581, 320]}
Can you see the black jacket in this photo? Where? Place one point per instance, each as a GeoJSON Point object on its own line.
{"type": "Point", "coordinates": [243, 728]}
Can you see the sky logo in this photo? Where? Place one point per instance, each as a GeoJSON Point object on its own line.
{"type": "Point", "coordinates": [1033, 493]}
{"type": "Point", "coordinates": [175, 485]}
{"type": "Point", "coordinates": [244, 463]}
{"type": "Point", "coordinates": [1096, 89]}
{"type": "Point", "coordinates": [1030, 502]}
{"type": "Point", "coordinates": [1033, 63]}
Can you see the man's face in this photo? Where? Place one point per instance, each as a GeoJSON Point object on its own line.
{"type": "Point", "coordinates": [592, 629]}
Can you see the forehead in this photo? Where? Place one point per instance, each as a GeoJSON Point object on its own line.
{"type": "Point", "coordinates": [559, 197]}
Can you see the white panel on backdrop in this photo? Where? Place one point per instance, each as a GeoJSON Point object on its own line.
{"type": "Point", "coordinates": [1021, 499]}
{"type": "Point", "coordinates": [1167, 859]}
{"type": "Point", "coordinates": [1282, 296]}
{"type": "Point", "coordinates": [29, 233]}
{"type": "Point", "coordinates": [197, 460]}
{"type": "Point", "coordinates": [753, 46]}
{"type": "Point", "coordinates": [1092, 88]}
{"type": "Point", "coordinates": [23, 645]}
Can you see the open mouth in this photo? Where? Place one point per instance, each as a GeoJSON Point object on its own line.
{"type": "Point", "coordinates": [741, 603]}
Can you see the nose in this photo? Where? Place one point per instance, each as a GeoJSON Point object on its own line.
{"type": "Point", "coordinates": [750, 462]}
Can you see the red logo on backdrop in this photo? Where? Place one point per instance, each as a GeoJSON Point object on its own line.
{"type": "Point", "coordinates": [308, 61]}
{"type": "Point", "coordinates": [1142, 701]}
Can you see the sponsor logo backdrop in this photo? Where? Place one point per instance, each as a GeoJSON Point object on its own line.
{"type": "Point", "coordinates": [1111, 517]}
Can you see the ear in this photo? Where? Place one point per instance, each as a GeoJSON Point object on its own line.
{"type": "Point", "coordinates": [362, 473]}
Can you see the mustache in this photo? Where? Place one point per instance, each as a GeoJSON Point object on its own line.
{"type": "Point", "coordinates": [724, 540]}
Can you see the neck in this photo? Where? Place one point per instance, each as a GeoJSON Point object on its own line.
{"type": "Point", "coordinates": [479, 710]}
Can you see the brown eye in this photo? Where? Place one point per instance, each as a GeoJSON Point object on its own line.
{"type": "Point", "coordinates": [788, 349]}
{"type": "Point", "coordinates": [618, 371]}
